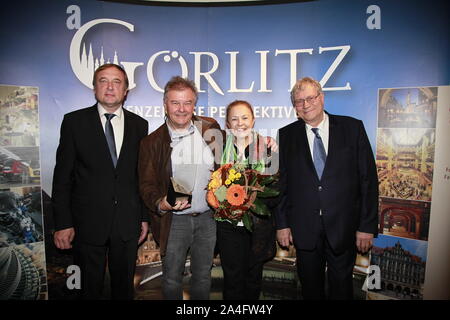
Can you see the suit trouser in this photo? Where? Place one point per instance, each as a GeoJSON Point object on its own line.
{"type": "Point", "coordinates": [121, 259]}
{"type": "Point", "coordinates": [311, 266]}
{"type": "Point", "coordinates": [242, 274]}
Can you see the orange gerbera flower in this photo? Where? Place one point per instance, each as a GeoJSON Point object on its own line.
{"type": "Point", "coordinates": [212, 200]}
{"type": "Point", "coordinates": [236, 195]}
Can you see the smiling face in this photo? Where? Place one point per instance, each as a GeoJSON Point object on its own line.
{"type": "Point", "coordinates": [110, 88]}
{"type": "Point", "coordinates": [240, 120]}
{"type": "Point", "coordinates": [308, 103]}
{"type": "Point", "coordinates": [179, 106]}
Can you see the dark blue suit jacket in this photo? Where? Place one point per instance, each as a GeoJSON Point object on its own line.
{"type": "Point", "coordinates": [88, 192]}
{"type": "Point", "coordinates": [347, 194]}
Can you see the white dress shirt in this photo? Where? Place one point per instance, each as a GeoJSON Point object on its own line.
{"type": "Point", "coordinates": [117, 123]}
{"type": "Point", "coordinates": [191, 153]}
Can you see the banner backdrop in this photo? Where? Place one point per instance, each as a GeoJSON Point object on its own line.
{"type": "Point", "coordinates": [253, 53]}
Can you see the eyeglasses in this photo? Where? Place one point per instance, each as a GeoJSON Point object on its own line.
{"type": "Point", "coordinates": [301, 102]}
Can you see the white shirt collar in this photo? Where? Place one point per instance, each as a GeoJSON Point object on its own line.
{"type": "Point", "coordinates": [180, 134]}
{"type": "Point", "coordinates": [321, 125]}
{"type": "Point", "coordinates": [102, 111]}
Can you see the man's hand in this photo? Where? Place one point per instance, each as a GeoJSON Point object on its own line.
{"type": "Point", "coordinates": [144, 231]}
{"type": "Point", "coordinates": [364, 241]}
{"type": "Point", "coordinates": [284, 237]}
{"type": "Point", "coordinates": [179, 205]}
{"type": "Point", "coordinates": [63, 238]}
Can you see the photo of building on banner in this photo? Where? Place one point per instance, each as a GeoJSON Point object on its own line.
{"type": "Point", "coordinates": [406, 143]}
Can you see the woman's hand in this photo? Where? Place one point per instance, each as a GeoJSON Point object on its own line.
{"type": "Point", "coordinates": [272, 144]}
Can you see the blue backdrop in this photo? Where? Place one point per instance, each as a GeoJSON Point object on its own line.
{"type": "Point", "coordinates": [245, 52]}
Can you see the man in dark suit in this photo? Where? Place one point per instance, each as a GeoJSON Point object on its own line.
{"type": "Point", "coordinates": [95, 195]}
{"type": "Point", "coordinates": [329, 196]}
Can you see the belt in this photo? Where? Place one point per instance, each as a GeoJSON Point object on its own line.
{"type": "Point", "coordinates": [193, 214]}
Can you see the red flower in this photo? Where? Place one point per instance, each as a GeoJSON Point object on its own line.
{"type": "Point", "coordinates": [236, 195]}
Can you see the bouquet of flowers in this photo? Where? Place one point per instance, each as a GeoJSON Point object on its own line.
{"type": "Point", "coordinates": [234, 192]}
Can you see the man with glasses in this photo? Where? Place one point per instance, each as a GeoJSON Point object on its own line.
{"type": "Point", "coordinates": [329, 196]}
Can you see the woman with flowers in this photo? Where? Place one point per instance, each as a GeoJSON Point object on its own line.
{"type": "Point", "coordinates": [245, 241]}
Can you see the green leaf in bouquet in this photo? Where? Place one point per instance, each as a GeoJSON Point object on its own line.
{"type": "Point", "coordinates": [265, 180]}
{"type": "Point", "coordinates": [246, 219]}
{"type": "Point", "coordinates": [260, 208]}
{"type": "Point", "coordinates": [221, 193]}
{"type": "Point", "coordinates": [239, 167]}
{"type": "Point", "coordinates": [268, 193]}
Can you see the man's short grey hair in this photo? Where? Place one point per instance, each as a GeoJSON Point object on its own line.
{"type": "Point", "coordinates": [180, 83]}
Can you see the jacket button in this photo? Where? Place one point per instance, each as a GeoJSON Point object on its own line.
{"type": "Point", "coordinates": [320, 188]}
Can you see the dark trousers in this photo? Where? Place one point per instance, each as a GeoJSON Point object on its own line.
{"type": "Point", "coordinates": [241, 271]}
{"type": "Point", "coordinates": [311, 266]}
{"type": "Point", "coordinates": [121, 259]}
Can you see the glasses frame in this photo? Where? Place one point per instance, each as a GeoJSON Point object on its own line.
{"type": "Point", "coordinates": [301, 102]}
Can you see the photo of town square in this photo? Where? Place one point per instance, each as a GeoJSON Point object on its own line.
{"type": "Point", "coordinates": [407, 107]}
{"type": "Point", "coordinates": [405, 162]}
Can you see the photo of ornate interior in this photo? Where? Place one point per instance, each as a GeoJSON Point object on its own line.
{"type": "Point", "coordinates": [405, 163]}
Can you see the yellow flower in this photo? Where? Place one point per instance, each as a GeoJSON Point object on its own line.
{"type": "Point", "coordinates": [214, 184]}
{"type": "Point", "coordinates": [232, 171]}
{"type": "Point", "coordinates": [238, 175]}
{"type": "Point", "coordinates": [232, 177]}
{"type": "Point", "coordinates": [227, 182]}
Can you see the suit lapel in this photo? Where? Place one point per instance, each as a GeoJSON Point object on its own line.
{"type": "Point", "coordinates": [304, 145]}
{"type": "Point", "coordinates": [168, 156]}
{"type": "Point", "coordinates": [127, 125]}
{"type": "Point", "coordinates": [334, 139]}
